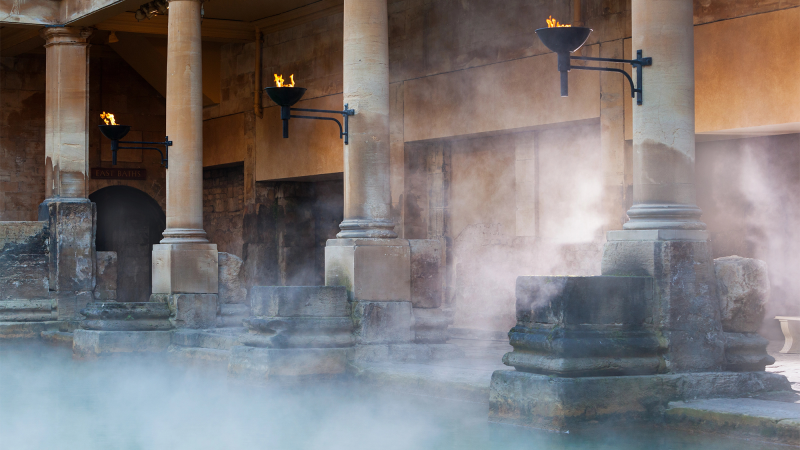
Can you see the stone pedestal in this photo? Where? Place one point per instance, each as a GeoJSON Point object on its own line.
{"type": "Point", "coordinates": [185, 268]}
{"type": "Point", "coordinates": [585, 326]}
{"type": "Point", "coordinates": [295, 331]}
{"type": "Point", "coordinates": [116, 328]}
{"type": "Point", "coordinates": [685, 308]}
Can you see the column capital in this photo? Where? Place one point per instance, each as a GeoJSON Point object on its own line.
{"type": "Point", "coordinates": [65, 36]}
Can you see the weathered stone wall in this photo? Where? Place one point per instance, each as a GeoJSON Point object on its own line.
{"type": "Point", "coordinates": [22, 87]}
{"type": "Point", "coordinates": [223, 200]}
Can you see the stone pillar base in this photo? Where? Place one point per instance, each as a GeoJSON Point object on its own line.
{"type": "Point", "coordinates": [72, 252]}
{"type": "Point", "coordinates": [185, 268]}
{"type": "Point", "coordinates": [685, 308]}
{"type": "Point", "coordinates": [190, 310]}
{"type": "Point", "coordinates": [370, 269]}
{"type": "Point", "coordinates": [561, 404]}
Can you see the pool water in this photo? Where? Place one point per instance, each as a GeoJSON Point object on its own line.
{"type": "Point", "coordinates": [50, 401]}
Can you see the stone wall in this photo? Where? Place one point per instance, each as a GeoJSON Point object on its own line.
{"type": "Point", "coordinates": [22, 92]}
{"type": "Point", "coordinates": [223, 201]}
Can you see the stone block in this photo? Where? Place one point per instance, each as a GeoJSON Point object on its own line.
{"type": "Point", "coordinates": [560, 404]}
{"type": "Point", "coordinates": [232, 314]}
{"type": "Point", "coordinates": [743, 289]}
{"type": "Point", "coordinates": [28, 310]}
{"type": "Point", "coordinates": [382, 322]}
{"type": "Point", "coordinates": [267, 364]}
{"type": "Point", "coordinates": [24, 260]}
{"type": "Point", "coordinates": [126, 316]}
{"type": "Point", "coordinates": [298, 332]}
{"type": "Point", "coordinates": [427, 273]}
{"type": "Point", "coordinates": [106, 276]}
{"type": "Point", "coordinates": [370, 269]}
{"type": "Point", "coordinates": [299, 301]}
{"type": "Point", "coordinates": [430, 325]}
{"type": "Point", "coordinates": [193, 310]}
{"type": "Point", "coordinates": [231, 284]}
{"type": "Point", "coordinates": [185, 269]}
{"type": "Point", "coordinates": [93, 343]}
{"type": "Point", "coordinates": [685, 307]}
{"type": "Point", "coordinates": [585, 326]}
{"type": "Point", "coordinates": [72, 251]}
{"type": "Point", "coordinates": [70, 305]}
{"type": "Point", "coordinates": [746, 352]}
{"type": "Point", "coordinates": [28, 330]}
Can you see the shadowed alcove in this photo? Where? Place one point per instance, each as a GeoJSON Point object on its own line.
{"type": "Point", "coordinates": [129, 222]}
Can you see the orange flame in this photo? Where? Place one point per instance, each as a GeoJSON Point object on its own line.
{"type": "Point", "coordinates": [280, 83]}
{"type": "Point", "coordinates": [108, 118]}
{"type": "Point", "coordinates": [553, 23]}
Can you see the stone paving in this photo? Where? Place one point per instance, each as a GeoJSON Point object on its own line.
{"type": "Point", "coordinates": [785, 364]}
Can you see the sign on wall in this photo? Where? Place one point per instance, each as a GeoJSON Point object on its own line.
{"type": "Point", "coordinates": [103, 173]}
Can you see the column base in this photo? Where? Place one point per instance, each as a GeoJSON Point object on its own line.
{"type": "Point", "coordinates": [185, 268]}
{"type": "Point", "coordinates": [370, 269]}
{"type": "Point", "coordinates": [664, 216]}
{"type": "Point", "coordinates": [370, 229]}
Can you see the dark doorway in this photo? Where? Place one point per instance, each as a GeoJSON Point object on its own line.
{"type": "Point", "coordinates": [129, 222]}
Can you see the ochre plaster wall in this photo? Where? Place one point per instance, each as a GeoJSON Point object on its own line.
{"type": "Point", "coordinates": [224, 140]}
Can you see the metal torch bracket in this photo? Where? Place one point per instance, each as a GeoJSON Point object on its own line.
{"type": "Point", "coordinates": [638, 63]}
{"type": "Point", "coordinates": [343, 132]}
{"type": "Point", "coordinates": [115, 146]}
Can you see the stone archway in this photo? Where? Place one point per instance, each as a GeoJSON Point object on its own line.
{"type": "Point", "coordinates": [129, 222]}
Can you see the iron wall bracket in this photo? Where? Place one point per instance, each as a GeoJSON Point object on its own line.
{"type": "Point", "coordinates": [164, 155]}
{"type": "Point", "coordinates": [286, 114]}
{"type": "Point", "coordinates": [638, 63]}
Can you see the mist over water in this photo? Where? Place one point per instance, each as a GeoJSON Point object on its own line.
{"type": "Point", "coordinates": [49, 401]}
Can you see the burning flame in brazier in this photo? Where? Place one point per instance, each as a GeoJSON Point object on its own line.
{"type": "Point", "coordinates": [108, 118]}
{"type": "Point", "coordinates": [280, 83]}
{"type": "Point", "coordinates": [553, 23]}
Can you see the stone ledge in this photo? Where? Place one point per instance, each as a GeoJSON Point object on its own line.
{"type": "Point", "coordinates": [92, 343]}
{"type": "Point", "coordinates": [32, 330]}
{"type": "Point", "coordinates": [558, 404]}
{"type": "Point", "coordinates": [750, 418]}
{"type": "Point", "coordinates": [266, 364]}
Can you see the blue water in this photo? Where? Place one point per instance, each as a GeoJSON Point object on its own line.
{"type": "Point", "coordinates": [49, 401]}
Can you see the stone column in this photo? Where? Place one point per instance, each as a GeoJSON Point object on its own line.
{"type": "Point", "coordinates": [184, 263]}
{"type": "Point", "coordinates": [367, 198]}
{"type": "Point", "coordinates": [367, 258]}
{"type": "Point", "coordinates": [66, 207]}
{"type": "Point", "coordinates": [663, 127]}
{"type": "Point", "coordinates": [664, 238]}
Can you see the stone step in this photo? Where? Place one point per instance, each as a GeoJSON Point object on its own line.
{"type": "Point", "coordinates": [199, 356]}
{"type": "Point", "coordinates": [299, 301]}
{"type": "Point", "coordinates": [57, 337]}
{"type": "Point", "coordinates": [38, 310]}
{"type": "Point", "coordinates": [208, 339]}
{"type": "Point", "coordinates": [749, 418]}
{"type": "Point", "coordinates": [234, 309]}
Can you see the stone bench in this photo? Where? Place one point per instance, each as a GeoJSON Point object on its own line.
{"type": "Point", "coordinates": [790, 325]}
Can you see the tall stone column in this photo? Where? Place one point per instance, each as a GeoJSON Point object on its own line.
{"type": "Point", "coordinates": [664, 238]}
{"type": "Point", "coordinates": [367, 198]}
{"type": "Point", "coordinates": [70, 214]}
{"type": "Point", "coordinates": [185, 264]}
{"type": "Point", "coordinates": [663, 127]}
{"type": "Point", "coordinates": [367, 258]}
